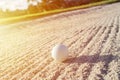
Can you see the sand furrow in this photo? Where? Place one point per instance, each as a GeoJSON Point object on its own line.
{"type": "Point", "coordinates": [92, 36]}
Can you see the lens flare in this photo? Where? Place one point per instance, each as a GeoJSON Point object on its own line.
{"type": "Point", "coordinates": [16, 4]}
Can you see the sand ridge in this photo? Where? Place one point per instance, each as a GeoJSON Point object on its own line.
{"type": "Point", "coordinates": [92, 36]}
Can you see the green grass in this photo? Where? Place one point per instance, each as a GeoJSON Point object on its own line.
{"type": "Point", "coordinates": [38, 15]}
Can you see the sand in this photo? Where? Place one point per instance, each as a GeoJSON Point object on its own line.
{"type": "Point", "coordinates": [92, 36]}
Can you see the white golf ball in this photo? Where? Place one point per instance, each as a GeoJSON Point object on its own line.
{"type": "Point", "coordinates": [60, 52]}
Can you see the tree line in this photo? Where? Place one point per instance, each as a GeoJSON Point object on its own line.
{"type": "Point", "coordinates": [45, 5]}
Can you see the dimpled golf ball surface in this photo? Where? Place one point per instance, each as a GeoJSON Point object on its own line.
{"type": "Point", "coordinates": [60, 52]}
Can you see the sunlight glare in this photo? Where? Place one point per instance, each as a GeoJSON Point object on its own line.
{"type": "Point", "coordinates": [16, 4]}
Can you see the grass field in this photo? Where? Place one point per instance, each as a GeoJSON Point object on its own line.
{"type": "Point", "coordinates": [38, 15]}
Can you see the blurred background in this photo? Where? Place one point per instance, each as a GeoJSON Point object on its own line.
{"type": "Point", "coordinates": [10, 8]}
{"type": "Point", "coordinates": [21, 10]}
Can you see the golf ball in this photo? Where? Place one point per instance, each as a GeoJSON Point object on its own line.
{"type": "Point", "coordinates": [60, 52]}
